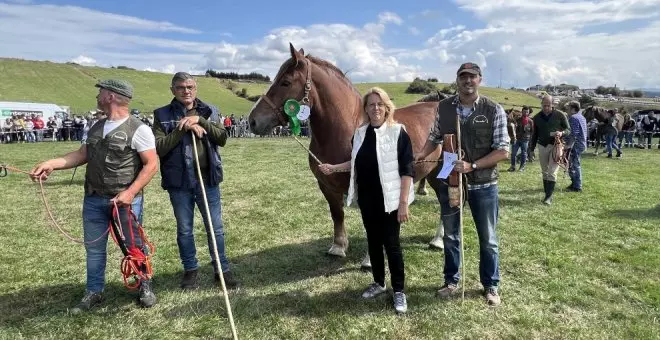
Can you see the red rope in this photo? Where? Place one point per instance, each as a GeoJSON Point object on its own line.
{"type": "Point", "coordinates": [134, 264]}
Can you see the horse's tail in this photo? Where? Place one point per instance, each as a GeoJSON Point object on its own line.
{"type": "Point", "coordinates": [433, 97]}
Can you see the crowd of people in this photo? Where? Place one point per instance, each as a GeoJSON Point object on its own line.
{"type": "Point", "coordinates": [34, 128]}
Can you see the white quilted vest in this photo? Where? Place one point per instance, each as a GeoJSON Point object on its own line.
{"type": "Point", "coordinates": [387, 138]}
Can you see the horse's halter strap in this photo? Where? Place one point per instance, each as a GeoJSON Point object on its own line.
{"type": "Point", "coordinates": [279, 110]}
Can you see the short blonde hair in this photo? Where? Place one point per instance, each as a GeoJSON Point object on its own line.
{"type": "Point", "coordinates": [389, 106]}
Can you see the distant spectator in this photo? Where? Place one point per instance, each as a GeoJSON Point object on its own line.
{"type": "Point", "coordinates": [610, 132]}
{"type": "Point", "coordinates": [39, 126]}
{"type": "Point", "coordinates": [650, 124]}
{"type": "Point", "coordinates": [627, 131]}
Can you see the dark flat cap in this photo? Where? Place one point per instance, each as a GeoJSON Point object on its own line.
{"type": "Point", "coordinates": [469, 68]}
{"type": "Point", "coordinates": [117, 86]}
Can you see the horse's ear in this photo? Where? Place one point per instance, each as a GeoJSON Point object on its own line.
{"type": "Point", "coordinates": [295, 55]}
{"type": "Point", "coordinates": [302, 52]}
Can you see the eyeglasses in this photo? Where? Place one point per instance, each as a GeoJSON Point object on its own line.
{"type": "Point", "coordinates": [183, 88]}
{"type": "Point", "coordinates": [373, 105]}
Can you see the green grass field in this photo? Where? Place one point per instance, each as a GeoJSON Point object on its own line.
{"type": "Point", "coordinates": [587, 267]}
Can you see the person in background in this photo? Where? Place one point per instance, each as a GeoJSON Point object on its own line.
{"type": "Point", "coordinates": [610, 132]}
{"type": "Point", "coordinates": [548, 124]}
{"type": "Point", "coordinates": [39, 125]}
{"type": "Point", "coordinates": [524, 128]}
{"type": "Point", "coordinates": [627, 131]}
{"type": "Point", "coordinates": [649, 125]}
{"type": "Point", "coordinates": [576, 143]}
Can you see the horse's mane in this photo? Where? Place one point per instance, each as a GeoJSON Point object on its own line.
{"type": "Point", "coordinates": [435, 96]}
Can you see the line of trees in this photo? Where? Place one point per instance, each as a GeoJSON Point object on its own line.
{"type": "Point", "coordinates": [235, 76]}
{"type": "Point", "coordinates": [615, 91]}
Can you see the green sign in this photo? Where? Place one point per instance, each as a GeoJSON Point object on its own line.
{"type": "Point", "coordinates": [6, 113]}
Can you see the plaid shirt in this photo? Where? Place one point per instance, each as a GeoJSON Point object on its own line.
{"type": "Point", "coordinates": [501, 138]}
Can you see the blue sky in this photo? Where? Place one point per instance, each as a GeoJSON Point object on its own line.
{"type": "Point", "coordinates": [581, 42]}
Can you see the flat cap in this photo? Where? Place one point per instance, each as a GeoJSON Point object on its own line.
{"type": "Point", "coordinates": [117, 86]}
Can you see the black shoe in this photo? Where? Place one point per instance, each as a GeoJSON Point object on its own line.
{"type": "Point", "coordinates": [189, 280]}
{"type": "Point", "coordinates": [570, 188]}
{"type": "Point", "coordinates": [609, 156]}
{"type": "Point", "coordinates": [230, 281]}
{"type": "Point", "coordinates": [619, 154]}
{"type": "Point", "coordinates": [88, 301]}
{"type": "Point", "coordinates": [512, 169]}
{"type": "Point", "coordinates": [147, 297]}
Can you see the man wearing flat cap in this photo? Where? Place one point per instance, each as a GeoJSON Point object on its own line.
{"type": "Point", "coordinates": [120, 154]}
{"type": "Point", "coordinates": [485, 141]}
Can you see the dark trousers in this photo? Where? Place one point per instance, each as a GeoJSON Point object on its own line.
{"type": "Point", "coordinates": [383, 231]}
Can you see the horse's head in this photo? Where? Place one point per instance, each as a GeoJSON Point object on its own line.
{"type": "Point", "coordinates": [289, 83]}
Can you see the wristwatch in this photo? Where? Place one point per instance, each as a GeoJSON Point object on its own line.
{"type": "Point", "coordinates": [474, 166]}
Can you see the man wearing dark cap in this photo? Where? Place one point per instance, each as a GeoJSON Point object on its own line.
{"type": "Point", "coordinates": [172, 127]}
{"type": "Point", "coordinates": [485, 140]}
{"type": "Point", "coordinates": [121, 159]}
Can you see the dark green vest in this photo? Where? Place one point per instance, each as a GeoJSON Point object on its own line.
{"type": "Point", "coordinates": [111, 163]}
{"type": "Point", "coordinates": [476, 133]}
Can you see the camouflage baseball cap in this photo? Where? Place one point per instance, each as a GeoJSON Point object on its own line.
{"type": "Point", "coordinates": [117, 86]}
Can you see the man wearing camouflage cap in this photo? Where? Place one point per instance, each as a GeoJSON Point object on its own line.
{"type": "Point", "coordinates": [120, 153]}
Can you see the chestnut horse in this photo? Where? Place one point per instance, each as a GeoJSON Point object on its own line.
{"type": "Point", "coordinates": [336, 111]}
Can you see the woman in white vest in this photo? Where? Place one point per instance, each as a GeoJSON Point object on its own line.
{"type": "Point", "coordinates": [381, 182]}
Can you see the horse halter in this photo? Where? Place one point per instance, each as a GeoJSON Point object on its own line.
{"type": "Point", "coordinates": [279, 110]}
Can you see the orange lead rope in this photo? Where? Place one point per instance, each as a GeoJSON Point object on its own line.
{"type": "Point", "coordinates": [136, 263]}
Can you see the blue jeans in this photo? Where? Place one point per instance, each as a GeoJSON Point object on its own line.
{"type": "Point", "coordinates": [610, 141]}
{"type": "Point", "coordinates": [97, 212]}
{"type": "Point", "coordinates": [575, 168]}
{"type": "Point", "coordinates": [485, 209]}
{"type": "Point", "coordinates": [183, 202]}
{"type": "Point", "coordinates": [522, 146]}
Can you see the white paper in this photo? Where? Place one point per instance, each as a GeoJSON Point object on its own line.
{"type": "Point", "coordinates": [448, 159]}
{"type": "Point", "coordinates": [304, 112]}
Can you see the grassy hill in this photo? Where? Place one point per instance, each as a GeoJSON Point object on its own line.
{"type": "Point", "coordinates": [73, 85]}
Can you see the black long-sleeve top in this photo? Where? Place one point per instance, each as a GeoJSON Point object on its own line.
{"type": "Point", "coordinates": [366, 166]}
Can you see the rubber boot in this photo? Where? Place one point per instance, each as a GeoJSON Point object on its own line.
{"type": "Point", "coordinates": [550, 191]}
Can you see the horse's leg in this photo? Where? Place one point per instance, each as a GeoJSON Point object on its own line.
{"type": "Point", "coordinates": [421, 188]}
{"type": "Point", "coordinates": [336, 204]}
{"type": "Point", "coordinates": [436, 242]}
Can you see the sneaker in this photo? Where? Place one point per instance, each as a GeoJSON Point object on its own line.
{"type": "Point", "coordinates": [147, 297]}
{"type": "Point", "coordinates": [492, 298]}
{"type": "Point", "coordinates": [447, 291]}
{"type": "Point", "coordinates": [373, 290]}
{"type": "Point", "coordinates": [189, 280]}
{"type": "Point", "coordinates": [230, 281]}
{"type": "Point", "coordinates": [88, 301]}
{"type": "Point", "coordinates": [511, 169]}
{"type": "Point", "coordinates": [619, 154]}
{"type": "Point", "coordinates": [522, 168]}
{"type": "Point", "coordinates": [400, 304]}
{"type": "Point", "coordinates": [609, 156]}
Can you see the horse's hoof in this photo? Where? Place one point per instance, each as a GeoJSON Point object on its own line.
{"type": "Point", "coordinates": [436, 244]}
{"type": "Point", "coordinates": [366, 263]}
{"type": "Point", "coordinates": [336, 250]}
{"type": "Point", "coordinates": [422, 192]}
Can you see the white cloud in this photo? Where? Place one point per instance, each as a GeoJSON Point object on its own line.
{"type": "Point", "coordinates": [579, 42]}
{"type": "Point", "coordinates": [389, 17]}
{"type": "Point", "coordinates": [84, 60]}
{"type": "Point", "coordinates": [414, 30]}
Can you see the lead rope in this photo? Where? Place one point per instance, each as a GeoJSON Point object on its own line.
{"type": "Point", "coordinates": [212, 232]}
{"type": "Point", "coordinates": [49, 211]}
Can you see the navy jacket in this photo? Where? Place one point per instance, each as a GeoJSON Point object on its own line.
{"type": "Point", "coordinates": [177, 167]}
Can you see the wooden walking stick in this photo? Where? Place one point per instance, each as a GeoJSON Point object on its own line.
{"type": "Point", "coordinates": [460, 205]}
{"type": "Point", "coordinates": [212, 231]}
